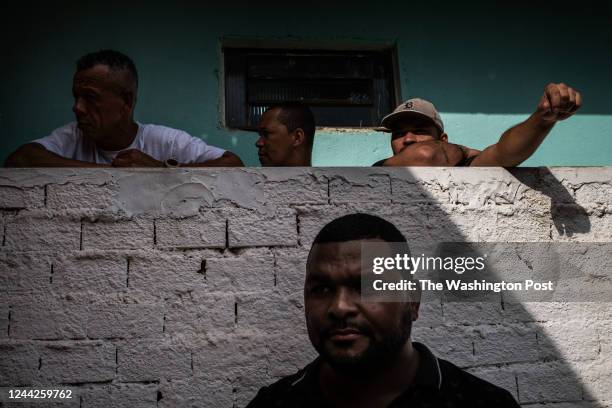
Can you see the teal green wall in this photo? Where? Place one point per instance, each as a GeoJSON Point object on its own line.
{"type": "Point", "coordinates": [484, 66]}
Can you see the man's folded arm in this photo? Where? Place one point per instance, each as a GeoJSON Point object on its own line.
{"type": "Point", "coordinates": [191, 151]}
{"type": "Point", "coordinates": [136, 158]}
{"type": "Point", "coordinates": [36, 155]}
{"type": "Point", "coordinates": [227, 159]}
{"type": "Point", "coordinates": [428, 153]}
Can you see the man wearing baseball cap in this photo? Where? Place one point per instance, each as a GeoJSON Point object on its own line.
{"type": "Point", "coordinates": [418, 137]}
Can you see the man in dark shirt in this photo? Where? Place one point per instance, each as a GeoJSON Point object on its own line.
{"type": "Point", "coordinates": [418, 137]}
{"type": "Point", "coordinates": [366, 355]}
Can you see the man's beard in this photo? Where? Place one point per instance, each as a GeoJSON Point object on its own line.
{"type": "Point", "coordinates": [379, 353]}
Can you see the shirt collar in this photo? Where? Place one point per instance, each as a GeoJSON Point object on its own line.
{"type": "Point", "coordinates": [428, 373]}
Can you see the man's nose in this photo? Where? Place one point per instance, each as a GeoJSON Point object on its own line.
{"type": "Point", "coordinates": [259, 142]}
{"type": "Point", "coordinates": [344, 303]}
{"type": "Point", "coordinates": [78, 107]}
{"type": "Point", "coordinates": [409, 137]}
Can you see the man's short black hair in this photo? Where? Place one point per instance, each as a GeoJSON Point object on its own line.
{"type": "Point", "coordinates": [359, 226]}
{"type": "Point", "coordinates": [296, 115]}
{"type": "Point", "coordinates": [115, 60]}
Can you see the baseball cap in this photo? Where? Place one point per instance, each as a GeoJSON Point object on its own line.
{"type": "Point", "coordinates": [414, 108]}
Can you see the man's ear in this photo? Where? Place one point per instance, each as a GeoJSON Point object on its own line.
{"type": "Point", "coordinates": [414, 310]}
{"type": "Point", "coordinates": [130, 100]}
{"type": "Point", "coordinates": [444, 137]}
{"type": "Point", "coordinates": [299, 137]}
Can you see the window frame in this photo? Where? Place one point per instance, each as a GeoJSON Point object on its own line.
{"type": "Point", "coordinates": [301, 47]}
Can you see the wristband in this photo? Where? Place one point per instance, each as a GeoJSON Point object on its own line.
{"type": "Point", "coordinates": [171, 163]}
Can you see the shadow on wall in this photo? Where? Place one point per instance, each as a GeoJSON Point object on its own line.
{"type": "Point", "coordinates": [568, 217]}
{"type": "Point", "coordinates": [502, 340]}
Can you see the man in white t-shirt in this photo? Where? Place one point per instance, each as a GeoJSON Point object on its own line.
{"type": "Point", "coordinates": [105, 134]}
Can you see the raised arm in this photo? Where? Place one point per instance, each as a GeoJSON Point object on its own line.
{"type": "Point", "coordinates": [518, 143]}
{"type": "Point", "coordinates": [35, 155]}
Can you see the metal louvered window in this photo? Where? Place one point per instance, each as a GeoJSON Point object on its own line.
{"type": "Point", "coordinates": [343, 88]}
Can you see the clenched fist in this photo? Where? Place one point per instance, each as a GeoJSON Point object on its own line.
{"type": "Point", "coordinates": [558, 102]}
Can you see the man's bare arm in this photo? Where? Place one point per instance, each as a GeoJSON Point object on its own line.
{"type": "Point", "coordinates": [518, 143]}
{"type": "Point", "coordinates": [227, 159]}
{"type": "Point", "coordinates": [35, 155]}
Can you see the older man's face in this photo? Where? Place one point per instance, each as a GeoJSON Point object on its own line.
{"type": "Point", "coordinates": [100, 104]}
{"type": "Point", "coordinates": [347, 332]}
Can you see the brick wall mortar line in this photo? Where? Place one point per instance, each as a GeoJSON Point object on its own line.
{"type": "Point", "coordinates": [154, 233]}
{"type": "Point", "coordinates": [81, 237]}
{"type": "Point", "coordinates": [8, 330]}
{"type": "Point", "coordinates": [227, 233]}
{"type": "Point", "coordinates": [127, 272]}
{"type": "Point", "coordinates": [518, 393]}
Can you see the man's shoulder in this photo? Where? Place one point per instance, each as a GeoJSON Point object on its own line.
{"type": "Point", "coordinates": [287, 392]}
{"type": "Point", "coordinates": [70, 129]}
{"type": "Point", "coordinates": [150, 130]}
{"type": "Point", "coordinates": [458, 382]}
{"type": "Point", "coordinates": [62, 138]}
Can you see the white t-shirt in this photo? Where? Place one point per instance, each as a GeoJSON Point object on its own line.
{"type": "Point", "coordinates": [159, 142]}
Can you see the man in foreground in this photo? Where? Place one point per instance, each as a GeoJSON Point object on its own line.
{"type": "Point", "coordinates": [367, 358]}
{"type": "Point", "coordinates": [418, 137]}
{"type": "Point", "coordinates": [105, 134]}
{"type": "Point", "coordinates": [286, 135]}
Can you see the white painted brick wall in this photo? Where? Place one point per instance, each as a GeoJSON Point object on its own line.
{"type": "Point", "coordinates": [547, 382]}
{"type": "Point", "coordinates": [122, 395]}
{"type": "Point", "coordinates": [43, 317]}
{"type": "Point", "coordinates": [199, 313]}
{"type": "Point", "coordinates": [42, 231]}
{"type": "Point", "coordinates": [152, 360]}
{"type": "Point", "coordinates": [77, 362]}
{"type": "Point", "coordinates": [205, 230]}
{"type": "Point", "coordinates": [83, 271]}
{"type": "Point", "coordinates": [277, 227]}
{"type": "Point", "coordinates": [13, 197]}
{"type": "Point", "coordinates": [180, 272]}
{"type": "Point", "coordinates": [125, 321]}
{"type": "Point", "coordinates": [166, 288]}
{"type": "Point", "coordinates": [25, 271]}
{"type": "Point", "coordinates": [78, 195]}
{"type": "Point", "coordinates": [375, 188]}
{"type": "Point", "coordinates": [118, 234]}
{"type": "Point", "coordinates": [19, 363]}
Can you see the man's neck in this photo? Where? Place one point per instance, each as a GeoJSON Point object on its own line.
{"type": "Point", "coordinates": [121, 138]}
{"type": "Point", "coordinates": [299, 159]}
{"type": "Point", "coordinates": [379, 386]}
